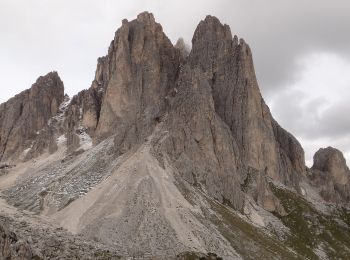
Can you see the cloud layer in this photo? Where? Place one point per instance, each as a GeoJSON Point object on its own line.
{"type": "Point", "coordinates": [301, 50]}
{"type": "Point", "coordinates": [316, 105]}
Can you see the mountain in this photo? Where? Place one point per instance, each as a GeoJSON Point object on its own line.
{"type": "Point", "coordinates": [172, 153]}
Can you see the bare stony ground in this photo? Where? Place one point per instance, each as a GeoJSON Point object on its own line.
{"type": "Point", "coordinates": [28, 236]}
{"type": "Point", "coordinates": [135, 208]}
{"type": "Point", "coordinates": [140, 210]}
{"type": "Point", "coordinates": [91, 205]}
{"type": "Point", "coordinates": [120, 209]}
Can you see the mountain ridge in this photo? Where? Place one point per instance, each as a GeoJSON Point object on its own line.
{"type": "Point", "coordinates": [161, 146]}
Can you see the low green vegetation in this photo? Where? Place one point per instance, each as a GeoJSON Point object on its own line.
{"type": "Point", "coordinates": [313, 233]}
{"type": "Point", "coordinates": [105, 255]}
{"type": "Point", "coordinates": [198, 256]}
{"type": "Point", "coordinates": [248, 241]}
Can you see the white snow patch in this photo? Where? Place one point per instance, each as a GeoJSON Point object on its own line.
{"type": "Point", "coordinates": [80, 113]}
{"type": "Point", "coordinates": [27, 151]}
{"type": "Point", "coordinates": [61, 140]}
{"type": "Point", "coordinates": [61, 111]}
{"type": "Point", "coordinates": [65, 104]}
{"type": "Point", "coordinates": [85, 141]}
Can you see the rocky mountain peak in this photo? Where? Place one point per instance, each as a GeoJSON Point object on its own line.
{"type": "Point", "coordinates": [331, 160]}
{"type": "Point", "coordinates": [211, 27]}
{"type": "Point", "coordinates": [211, 40]}
{"type": "Point", "coordinates": [331, 175]}
{"type": "Point", "coordinates": [28, 112]}
{"type": "Point", "coordinates": [183, 47]}
{"type": "Point", "coordinates": [48, 79]}
{"type": "Point", "coordinates": [228, 64]}
{"type": "Point", "coordinates": [146, 18]}
{"type": "Point", "coordinates": [142, 65]}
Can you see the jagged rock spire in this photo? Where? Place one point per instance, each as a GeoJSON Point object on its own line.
{"type": "Point", "coordinates": [142, 66]}
{"type": "Point", "coordinates": [228, 64]}
{"type": "Point", "coordinates": [183, 47]}
{"type": "Point", "coordinates": [26, 113]}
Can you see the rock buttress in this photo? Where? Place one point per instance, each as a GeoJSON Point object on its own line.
{"type": "Point", "coordinates": [24, 115]}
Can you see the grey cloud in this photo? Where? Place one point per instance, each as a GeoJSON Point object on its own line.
{"type": "Point", "coordinates": [311, 146]}
{"type": "Point", "coordinates": [70, 35]}
{"type": "Point", "coordinates": [335, 121]}
{"type": "Point", "coordinates": [317, 122]}
{"type": "Point", "coordinates": [308, 122]}
{"type": "Point", "coordinates": [281, 31]}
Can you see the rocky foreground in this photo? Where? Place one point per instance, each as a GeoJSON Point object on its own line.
{"type": "Point", "coordinates": [171, 153]}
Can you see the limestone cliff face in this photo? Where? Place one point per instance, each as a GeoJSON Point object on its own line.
{"type": "Point", "coordinates": [331, 175]}
{"type": "Point", "coordinates": [199, 143]}
{"type": "Point", "coordinates": [183, 48]}
{"type": "Point", "coordinates": [229, 68]}
{"type": "Point", "coordinates": [85, 107]}
{"type": "Point", "coordinates": [130, 85]}
{"type": "Point", "coordinates": [28, 112]}
{"type": "Point", "coordinates": [143, 66]}
{"type": "Point", "coordinates": [222, 135]}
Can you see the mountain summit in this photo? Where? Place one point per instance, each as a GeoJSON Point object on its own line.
{"type": "Point", "coordinates": [170, 154]}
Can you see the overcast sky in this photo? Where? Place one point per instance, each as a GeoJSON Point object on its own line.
{"type": "Point", "coordinates": [301, 51]}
